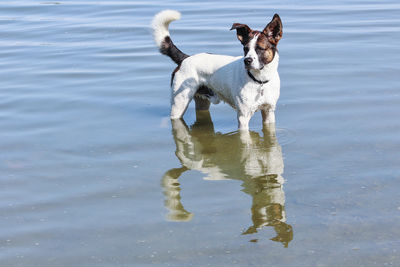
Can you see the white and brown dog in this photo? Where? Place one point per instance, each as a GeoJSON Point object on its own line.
{"type": "Point", "coordinates": [248, 83]}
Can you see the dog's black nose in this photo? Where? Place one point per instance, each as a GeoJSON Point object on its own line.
{"type": "Point", "coordinates": [247, 61]}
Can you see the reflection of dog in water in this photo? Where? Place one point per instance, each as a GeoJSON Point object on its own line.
{"type": "Point", "coordinates": [245, 156]}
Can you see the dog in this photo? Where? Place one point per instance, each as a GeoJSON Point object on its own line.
{"type": "Point", "coordinates": [247, 83]}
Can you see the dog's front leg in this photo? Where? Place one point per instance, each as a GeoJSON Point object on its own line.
{"type": "Point", "coordinates": [268, 116]}
{"type": "Point", "coordinates": [243, 120]}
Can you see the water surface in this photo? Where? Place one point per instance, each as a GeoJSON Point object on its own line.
{"type": "Point", "coordinates": [94, 173]}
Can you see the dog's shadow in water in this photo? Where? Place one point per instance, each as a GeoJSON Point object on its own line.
{"type": "Point", "coordinates": [246, 156]}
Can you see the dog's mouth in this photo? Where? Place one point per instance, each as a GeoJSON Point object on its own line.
{"type": "Point", "coordinates": [250, 67]}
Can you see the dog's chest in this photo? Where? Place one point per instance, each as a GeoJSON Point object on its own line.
{"type": "Point", "coordinates": [256, 96]}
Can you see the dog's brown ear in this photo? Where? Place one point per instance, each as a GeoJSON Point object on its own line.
{"type": "Point", "coordinates": [274, 30]}
{"type": "Point", "coordinates": [242, 32]}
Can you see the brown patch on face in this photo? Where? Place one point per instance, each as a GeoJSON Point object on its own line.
{"type": "Point", "coordinates": [265, 49]}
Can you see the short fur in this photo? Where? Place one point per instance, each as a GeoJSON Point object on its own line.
{"type": "Point", "coordinates": [211, 78]}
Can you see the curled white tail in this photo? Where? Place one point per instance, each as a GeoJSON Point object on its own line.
{"type": "Point", "coordinates": [160, 25]}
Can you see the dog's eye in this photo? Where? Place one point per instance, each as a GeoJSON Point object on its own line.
{"type": "Point", "coordinates": [246, 49]}
{"type": "Point", "coordinates": [260, 48]}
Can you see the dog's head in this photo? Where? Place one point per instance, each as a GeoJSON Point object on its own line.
{"type": "Point", "coordinates": [259, 47]}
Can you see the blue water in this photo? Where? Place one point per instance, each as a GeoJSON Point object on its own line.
{"type": "Point", "coordinates": [92, 171]}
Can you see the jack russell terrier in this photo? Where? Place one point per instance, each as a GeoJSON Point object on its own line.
{"type": "Point", "coordinates": [248, 83]}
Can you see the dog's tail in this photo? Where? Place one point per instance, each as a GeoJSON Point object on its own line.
{"type": "Point", "coordinates": [162, 38]}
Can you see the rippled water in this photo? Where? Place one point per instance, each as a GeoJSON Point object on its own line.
{"type": "Point", "coordinates": [94, 173]}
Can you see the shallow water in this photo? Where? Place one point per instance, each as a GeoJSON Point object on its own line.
{"type": "Point", "coordinates": [94, 173]}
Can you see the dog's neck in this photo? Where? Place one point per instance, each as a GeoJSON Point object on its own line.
{"type": "Point", "coordinates": [269, 70]}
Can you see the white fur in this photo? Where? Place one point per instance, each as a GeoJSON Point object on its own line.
{"type": "Point", "coordinates": [255, 64]}
{"type": "Point", "coordinates": [160, 24]}
{"type": "Point", "coordinates": [226, 76]}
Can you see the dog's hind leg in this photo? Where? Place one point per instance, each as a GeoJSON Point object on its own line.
{"type": "Point", "coordinates": [182, 94]}
{"type": "Point", "coordinates": [179, 103]}
{"type": "Point", "coordinates": [202, 98]}
{"type": "Point", "coordinates": [185, 84]}
{"type": "Point", "coordinates": [202, 103]}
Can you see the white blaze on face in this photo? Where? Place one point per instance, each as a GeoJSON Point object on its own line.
{"type": "Point", "coordinates": [253, 54]}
